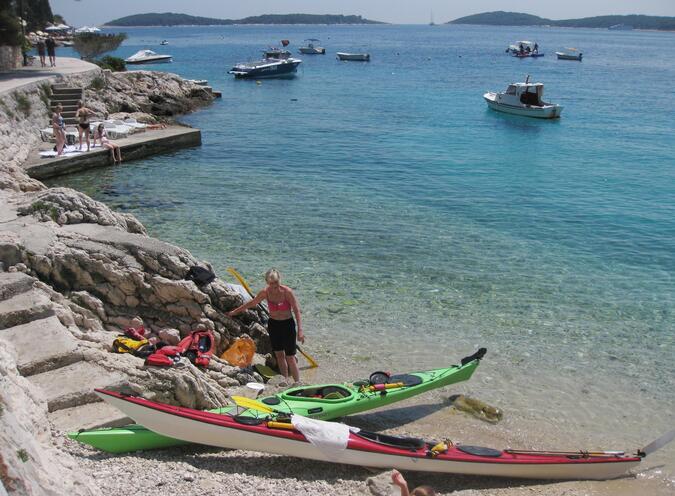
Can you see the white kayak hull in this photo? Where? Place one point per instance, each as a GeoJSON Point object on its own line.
{"type": "Point", "coordinates": [203, 428]}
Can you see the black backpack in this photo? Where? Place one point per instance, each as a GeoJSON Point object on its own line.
{"type": "Point", "coordinates": [200, 275]}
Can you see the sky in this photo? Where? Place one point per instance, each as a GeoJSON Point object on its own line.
{"type": "Point", "coordinates": [88, 12]}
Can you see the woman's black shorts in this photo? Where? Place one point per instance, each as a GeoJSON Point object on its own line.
{"type": "Point", "coordinates": [282, 335]}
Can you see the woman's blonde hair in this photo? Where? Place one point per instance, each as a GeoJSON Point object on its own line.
{"type": "Point", "coordinates": [423, 491]}
{"type": "Point", "coordinates": [272, 275]}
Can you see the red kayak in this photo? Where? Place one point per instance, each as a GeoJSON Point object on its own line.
{"type": "Point", "coordinates": [283, 436]}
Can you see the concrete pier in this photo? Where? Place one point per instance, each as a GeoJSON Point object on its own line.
{"type": "Point", "coordinates": [136, 146]}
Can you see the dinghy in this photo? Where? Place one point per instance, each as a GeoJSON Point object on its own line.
{"type": "Point", "coordinates": [330, 442]}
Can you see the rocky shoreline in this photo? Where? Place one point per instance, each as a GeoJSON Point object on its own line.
{"type": "Point", "coordinates": [73, 274]}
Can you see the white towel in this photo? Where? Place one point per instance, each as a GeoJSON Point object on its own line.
{"type": "Point", "coordinates": [330, 438]}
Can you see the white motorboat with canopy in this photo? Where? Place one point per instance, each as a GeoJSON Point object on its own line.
{"type": "Point", "coordinates": [312, 47]}
{"type": "Point", "coordinates": [523, 99]}
{"type": "Point", "coordinates": [147, 57]}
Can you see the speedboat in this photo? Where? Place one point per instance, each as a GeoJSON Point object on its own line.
{"type": "Point", "coordinates": [312, 48]}
{"type": "Point", "coordinates": [570, 54]}
{"type": "Point", "coordinates": [523, 99]}
{"type": "Point", "coordinates": [276, 53]}
{"type": "Point", "coordinates": [147, 57]}
{"type": "Point", "coordinates": [314, 439]}
{"type": "Point", "coordinates": [164, 42]}
{"type": "Point", "coordinates": [362, 57]}
{"type": "Point", "coordinates": [266, 68]}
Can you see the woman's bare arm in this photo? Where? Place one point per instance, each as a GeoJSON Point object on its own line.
{"type": "Point", "coordinates": [298, 314]}
{"type": "Point", "coordinates": [251, 303]}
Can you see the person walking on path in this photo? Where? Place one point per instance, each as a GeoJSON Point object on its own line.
{"type": "Point", "coordinates": [51, 51]}
{"type": "Point", "coordinates": [82, 115]}
{"type": "Point", "coordinates": [41, 47]}
{"type": "Point", "coordinates": [281, 326]}
{"type": "Point", "coordinates": [59, 128]}
{"type": "Point", "coordinates": [115, 150]}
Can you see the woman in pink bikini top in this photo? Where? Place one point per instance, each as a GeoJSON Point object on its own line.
{"type": "Point", "coordinates": [281, 326]}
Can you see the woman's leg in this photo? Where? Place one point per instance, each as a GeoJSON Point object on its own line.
{"type": "Point", "coordinates": [109, 146]}
{"type": "Point", "coordinates": [80, 131]}
{"type": "Point", "coordinates": [293, 367]}
{"type": "Point", "coordinates": [281, 363]}
{"type": "Point", "coordinates": [86, 133]}
{"type": "Point", "coordinates": [118, 149]}
{"type": "Point", "coordinates": [60, 141]}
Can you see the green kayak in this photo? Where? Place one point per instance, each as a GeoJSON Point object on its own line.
{"type": "Point", "coordinates": [325, 402]}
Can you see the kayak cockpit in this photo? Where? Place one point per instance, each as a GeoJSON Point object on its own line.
{"type": "Point", "coordinates": [329, 392]}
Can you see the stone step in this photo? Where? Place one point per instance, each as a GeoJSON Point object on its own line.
{"type": "Point", "coordinates": [14, 283]}
{"type": "Point", "coordinates": [74, 384]}
{"type": "Point", "coordinates": [89, 416]}
{"type": "Point", "coordinates": [24, 308]}
{"type": "Point", "coordinates": [66, 108]}
{"type": "Point", "coordinates": [64, 102]}
{"type": "Point", "coordinates": [57, 91]}
{"type": "Point", "coordinates": [42, 345]}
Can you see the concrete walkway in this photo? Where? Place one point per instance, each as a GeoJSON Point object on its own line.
{"type": "Point", "coordinates": [136, 146]}
{"type": "Point", "coordinates": [11, 80]}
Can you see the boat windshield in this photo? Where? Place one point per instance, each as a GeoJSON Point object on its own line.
{"type": "Point", "coordinates": [511, 90]}
{"type": "Point", "coordinates": [532, 96]}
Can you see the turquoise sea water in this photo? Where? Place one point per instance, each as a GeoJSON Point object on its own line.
{"type": "Point", "coordinates": [416, 224]}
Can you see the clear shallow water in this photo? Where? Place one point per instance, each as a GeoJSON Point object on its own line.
{"type": "Point", "coordinates": [417, 225]}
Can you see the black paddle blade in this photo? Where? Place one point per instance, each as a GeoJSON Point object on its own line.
{"type": "Point", "coordinates": [476, 356]}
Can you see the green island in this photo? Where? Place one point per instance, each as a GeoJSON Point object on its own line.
{"type": "Point", "coordinates": [501, 18]}
{"type": "Point", "coordinates": [173, 19]}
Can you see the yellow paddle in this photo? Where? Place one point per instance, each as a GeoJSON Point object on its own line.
{"type": "Point", "coordinates": [312, 363]}
{"type": "Point", "coordinates": [244, 402]}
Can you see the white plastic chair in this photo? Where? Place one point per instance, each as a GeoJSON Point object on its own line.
{"type": "Point", "coordinates": [114, 131]}
{"type": "Point", "coordinates": [124, 127]}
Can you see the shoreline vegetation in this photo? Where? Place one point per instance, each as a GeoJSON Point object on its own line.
{"type": "Point", "coordinates": [173, 19]}
{"type": "Point", "coordinates": [502, 18]}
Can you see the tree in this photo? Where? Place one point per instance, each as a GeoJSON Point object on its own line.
{"type": "Point", "coordinates": [91, 45]}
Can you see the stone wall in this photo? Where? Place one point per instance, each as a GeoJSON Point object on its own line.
{"type": "Point", "coordinates": [10, 57]}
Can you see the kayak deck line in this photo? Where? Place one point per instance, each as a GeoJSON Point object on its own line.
{"type": "Point", "coordinates": [367, 449]}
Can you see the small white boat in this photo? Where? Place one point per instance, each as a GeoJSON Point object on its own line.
{"type": "Point", "coordinates": [527, 46]}
{"type": "Point", "coordinates": [312, 47]}
{"type": "Point", "coordinates": [164, 42]}
{"type": "Point", "coordinates": [570, 54]}
{"type": "Point", "coordinates": [362, 57]}
{"type": "Point", "coordinates": [338, 443]}
{"type": "Point", "coordinates": [148, 57]}
{"type": "Point", "coordinates": [523, 99]}
{"type": "Point", "coordinates": [266, 68]}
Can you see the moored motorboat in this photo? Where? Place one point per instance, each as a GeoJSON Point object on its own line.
{"type": "Point", "coordinates": [312, 47]}
{"type": "Point", "coordinates": [326, 402]}
{"type": "Point", "coordinates": [523, 99]}
{"type": "Point", "coordinates": [570, 54]}
{"type": "Point", "coordinates": [361, 57]}
{"type": "Point", "coordinates": [330, 442]}
{"type": "Point", "coordinates": [147, 57]}
{"type": "Point", "coordinates": [266, 68]}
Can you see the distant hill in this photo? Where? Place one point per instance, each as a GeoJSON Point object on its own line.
{"type": "Point", "coordinates": [171, 19]}
{"type": "Point", "coordinates": [501, 18]}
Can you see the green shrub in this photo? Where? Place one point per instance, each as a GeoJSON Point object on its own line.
{"type": "Point", "coordinates": [98, 83]}
{"type": "Point", "coordinates": [22, 103]}
{"type": "Point", "coordinates": [23, 455]}
{"type": "Point", "coordinates": [115, 64]}
{"type": "Point", "coordinates": [92, 45]}
{"type": "Point", "coordinates": [10, 30]}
